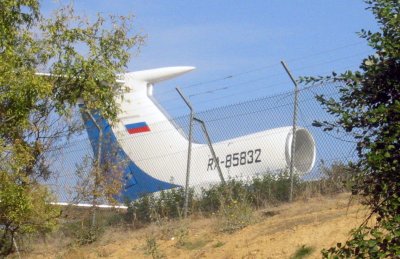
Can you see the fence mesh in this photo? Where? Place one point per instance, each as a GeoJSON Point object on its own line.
{"type": "Point", "coordinates": [262, 121]}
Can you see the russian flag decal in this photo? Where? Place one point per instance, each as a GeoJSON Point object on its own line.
{"type": "Point", "coordinates": [138, 127]}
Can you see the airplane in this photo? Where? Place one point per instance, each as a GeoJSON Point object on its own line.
{"type": "Point", "coordinates": [156, 149]}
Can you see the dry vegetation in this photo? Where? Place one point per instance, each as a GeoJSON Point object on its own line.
{"type": "Point", "coordinates": [297, 230]}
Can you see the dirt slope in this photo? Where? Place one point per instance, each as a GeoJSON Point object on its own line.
{"type": "Point", "coordinates": [316, 223]}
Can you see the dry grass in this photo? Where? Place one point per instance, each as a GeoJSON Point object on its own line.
{"type": "Point", "coordinates": [279, 233]}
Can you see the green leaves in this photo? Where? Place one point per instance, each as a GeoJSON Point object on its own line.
{"type": "Point", "coordinates": [24, 204]}
{"type": "Point", "coordinates": [89, 57]}
{"type": "Point", "coordinates": [35, 112]}
{"type": "Point", "coordinates": [369, 107]}
{"type": "Point", "coordinates": [317, 124]}
{"type": "Point", "coordinates": [14, 15]}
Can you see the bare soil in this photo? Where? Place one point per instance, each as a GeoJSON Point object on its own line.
{"type": "Point", "coordinates": [279, 232]}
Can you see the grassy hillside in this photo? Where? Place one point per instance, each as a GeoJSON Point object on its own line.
{"type": "Point", "coordinates": [297, 230]}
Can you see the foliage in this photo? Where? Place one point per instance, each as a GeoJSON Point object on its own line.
{"type": "Point", "coordinates": [77, 227]}
{"type": "Point", "coordinates": [100, 179]}
{"type": "Point", "coordinates": [23, 209]}
{"type": "Point", "coordinates": [271, 189]}
{"type": "Point", "coordinates": [152, 208]}
{"type": "Point", "coordinates": [88, 56]}
{"type": "Point", "coordinates": [235, 214]}
{"type": "Point", "coordinates": [15, 14]}
{"type": "Point", "coordinates": [194, 245]}
{"type": "Point", "coordinates": [163, 207]}
{"type": "Point", "coordinates": [218, 244]}
{"type": "Point", "coordinates": [87, 234]}
{"type": "Point", "coordinates": [260, 191]}
{"type": "Point", "coordinates": [369, 108]}
{"type": "Point", "coordinates": [153, 249]}
{"type": "Point", "coordinates": [336, 178]}
{"type": "Point", "coordinates": [302, 252]}
{"type": "Point", "coordinates": [339, 177]}
{"type": "Point", "coordinates": [181, 234]}
{"type": "Point", "coordinates": [213, 198]}
{"type": "Point", "coordinates": [36, 112]}
{"type": "Point", "coordinates": [233, 196]}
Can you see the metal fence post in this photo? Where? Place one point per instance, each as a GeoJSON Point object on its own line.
{"type": "Point", "coordinates": [293, 146]}
{"type": "Point", "coordinates": [186, 204]}
{"type": "Point", "coordinates": [203, 126]}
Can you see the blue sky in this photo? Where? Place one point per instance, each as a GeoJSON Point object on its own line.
{"type": "Point", "coordinates": [227, 38]}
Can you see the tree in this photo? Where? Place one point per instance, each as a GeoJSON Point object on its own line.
{"type": "Point", "coordinates": [24, 208]}
{"type": "Point", "coordinates": [369, 108]}
{"type": "Point", "coordinates": [83, 58]}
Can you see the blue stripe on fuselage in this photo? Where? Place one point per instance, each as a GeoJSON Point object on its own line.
{"type": "Point", "coordinates": [136, 125]}
{"type": "Point", "coordinates": [137, 182]}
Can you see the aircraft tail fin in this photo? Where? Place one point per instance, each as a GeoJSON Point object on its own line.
{"type": "Point", "coordinates": [139, 116]}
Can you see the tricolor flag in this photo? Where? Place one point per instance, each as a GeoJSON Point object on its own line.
{"type": "Point", "coordinates": [137, 127]}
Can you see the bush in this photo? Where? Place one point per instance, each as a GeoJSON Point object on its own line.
{"type": "Point", "coordinates": [237, 195]}
{"type": "Point", "coordinates": [24, 209]}
{"type": "Point", "coordinates": [235, 214]}
{"type": "Point", "coordinates": [153, 249]}
{"type": "Point", "coordinates": [154, 207]}
{"type": "Point", "coordinates": [169, 204]}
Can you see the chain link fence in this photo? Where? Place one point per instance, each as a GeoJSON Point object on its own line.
{"type": "Point", "coordinates": [264, 121]}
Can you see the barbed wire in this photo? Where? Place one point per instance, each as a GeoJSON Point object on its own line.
{"type": "Point", "coordinates": [176, 98]}
{"type": "Point", "coordinates": [277, 64]}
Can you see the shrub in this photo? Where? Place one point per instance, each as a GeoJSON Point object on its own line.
{"type": "Point", "coordinates": [235, 214]}
{"type": "Point", "coordinates": [153, 249]}
{"type": "Point", "coordinates": [154, 207]}
{"type": "Point", "coordinates": [24, 209]}
{"type": "Point", "coordinates": [237, 195]}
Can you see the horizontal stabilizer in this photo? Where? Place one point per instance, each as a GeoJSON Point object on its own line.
{"type": "Point", "coordinates": [159, 74]}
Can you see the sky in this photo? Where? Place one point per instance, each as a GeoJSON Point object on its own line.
{"type": "Point", "coordinates": [237, 46]}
